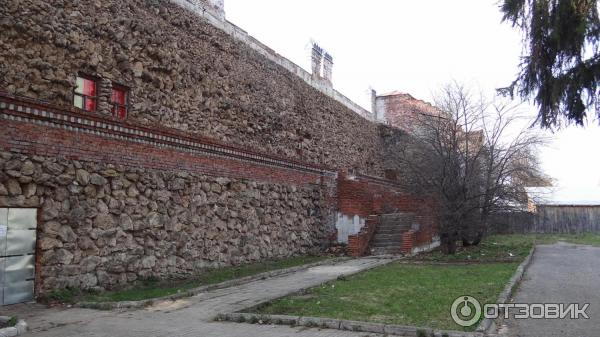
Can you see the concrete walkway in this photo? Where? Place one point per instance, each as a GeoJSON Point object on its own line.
{"type": "Point", "coordinates": [191, 316]}
{"type": "Point", "coordinates": [560, 273]}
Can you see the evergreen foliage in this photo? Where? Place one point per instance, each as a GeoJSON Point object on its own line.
{"type": "Point", "coordinates": [560, 68]}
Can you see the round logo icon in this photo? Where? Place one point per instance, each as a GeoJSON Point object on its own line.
{"type": "Point", "coordinates": [465, 310]}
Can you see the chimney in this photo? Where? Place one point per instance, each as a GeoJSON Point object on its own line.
{"type": "Point", "coordinates": [327, 67]}
{"type": "Point", "coordinates": [316, 58]}
{"type": "Point", "coordinates": [374, 103]}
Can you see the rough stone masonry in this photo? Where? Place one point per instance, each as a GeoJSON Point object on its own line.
{"type": "Point", "coordinates": [183, 73]}
{"type": "Point", "coordinates": [107, 225]}
{"type": "Point", "coordinates": [224, 157]}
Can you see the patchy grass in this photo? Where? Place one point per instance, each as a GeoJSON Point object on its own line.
{"type": "Point", "coordinates": [154, 288]}
{"type": "Point", "coordinates": [582, 239]}
{"type": "Point", "coordinates": [419, 295]}
{"type": "Point", "coordinates": [12, 321]}
{"type": "Point", "coordinates": [511, 247]}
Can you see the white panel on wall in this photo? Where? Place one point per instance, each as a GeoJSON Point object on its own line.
{"type": "Point", "coordinates": [347, 225]}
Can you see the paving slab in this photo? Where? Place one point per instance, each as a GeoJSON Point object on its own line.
{"type": "Point", "coordinates": [192, 316]}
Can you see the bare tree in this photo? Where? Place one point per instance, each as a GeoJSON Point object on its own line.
{"type": "Point", "coordinates": [510, 162]}
{"type": "Point", "coordinates": [472, 159]}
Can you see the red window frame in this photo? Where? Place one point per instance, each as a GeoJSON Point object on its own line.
{"type": "Point", "coordinates": [85, 94]}
{"type": "Point", "coordinates": [119, 100]}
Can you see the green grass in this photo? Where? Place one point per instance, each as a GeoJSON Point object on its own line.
{"type": "Point", "coordinates": [12, 321]}
{"type": "Point", "coordinates": [419, 295]}
{"type": "Point", "coordinates": [154, 288]}
{"type": "Point", "coordinates": [512, 247]}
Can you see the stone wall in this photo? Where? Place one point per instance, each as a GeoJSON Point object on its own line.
{"type": "Point", "coordinates": [226, 157]}
{"type": "Point", "coordinates": [183, 73]}
{"type": "Point", "coordinates": [103, 225]}
{"type": "Point", "coordinates": [119, 203]}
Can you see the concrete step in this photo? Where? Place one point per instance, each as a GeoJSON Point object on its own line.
{"type": "Point", "coordinates": [390, 231]}
{"type": "Point", "coordinates": [385, 251]}
{"type": "Point", "coordinates": [397, 218]}
{"type": "Point", "coordinates": [401, 227]}
{"type": "Point", "coordinates": [390, 236]}
{"type": "Point", "coordinates": [396, 221]}
{"type": "Point", "coordinates": [394, 224]}
{"type": "Point", "coordinates": [386, 244]}
{"type": "Point", "coordinates": [385, 240]}
{"type": "Point", "coordinates": [393, 229]}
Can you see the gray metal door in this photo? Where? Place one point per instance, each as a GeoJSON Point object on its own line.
{"type": "Point", "coordinates": [17, 254]}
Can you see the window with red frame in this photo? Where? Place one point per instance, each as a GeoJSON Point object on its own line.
{"type": "Point", "coordinates": [84, 96]}
{"type": "Point", "coordinates": [118, 99]}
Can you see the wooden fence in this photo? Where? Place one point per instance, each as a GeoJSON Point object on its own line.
{"type": "Point", "coordinates": [549, 219]}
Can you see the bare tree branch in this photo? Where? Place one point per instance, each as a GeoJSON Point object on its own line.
{"type": "Point", "coordinates": [474, 157]}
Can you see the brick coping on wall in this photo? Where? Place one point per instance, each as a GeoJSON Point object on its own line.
{"type": "Point", "coordinates": [21, 109]}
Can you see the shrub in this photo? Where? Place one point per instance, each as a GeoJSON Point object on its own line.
{"type": "Point", "coordinates": [66, 295]}
{"type": "Point", "coordinates": [12, 321]}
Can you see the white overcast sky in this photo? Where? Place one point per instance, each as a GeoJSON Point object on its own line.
{"type": "Point", "coordinates": [415, 47]}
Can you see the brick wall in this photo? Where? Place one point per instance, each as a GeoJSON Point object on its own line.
{"type": "Point", "coordinates": [359, 243]}
{"type": "Point", "coordinates": [403, 111]}
{"type": "Point", "coordinates": [364, 196]}
{"type": "Point", "coordinates": [409, 241]}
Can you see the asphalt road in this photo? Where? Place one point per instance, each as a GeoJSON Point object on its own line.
{"type": "Point", "coordinates": [560, 273]}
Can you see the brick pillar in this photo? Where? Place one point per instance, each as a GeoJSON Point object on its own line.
{"type": "Point", "coordinates": [408, 241]}
{"type": "Point", "coordinates": [327, 68]}
{"type": "Point", "coordinates": [374, 103]}
{"type": "Point", "coordinates": [316, 59]}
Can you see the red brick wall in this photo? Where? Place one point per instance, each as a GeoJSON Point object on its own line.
{"type": "Point", "coordinates": [32, 139]}
{"type": "Point", "coordinates": [408, 242]}
{"type": "Point", "coordinates": [355, 197]}
{"type": "Point", "coordinates": [359, 242]}
{"type": "Point", "coordinates": [363, 196]}
{"type": "Point", "coordinates": [402, 110]}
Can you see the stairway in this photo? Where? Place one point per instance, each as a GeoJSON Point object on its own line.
{"type": "Point", "coordinates": [388, 235]}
